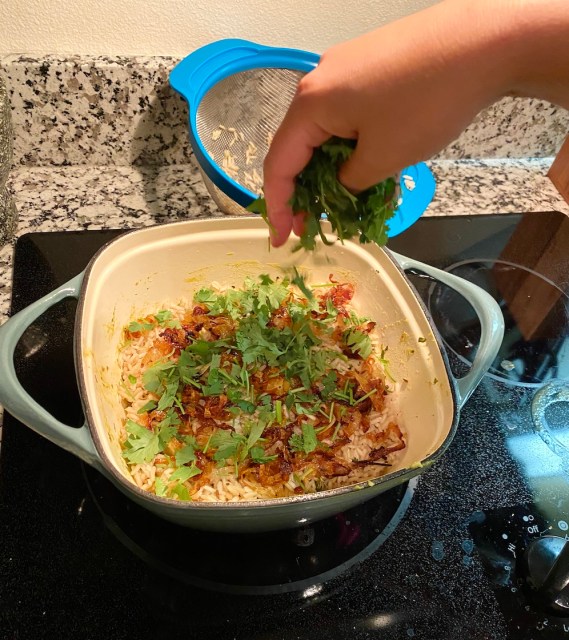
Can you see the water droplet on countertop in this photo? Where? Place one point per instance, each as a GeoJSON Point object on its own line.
{"type": "Point", "coordinates": [467, 546]}
{"type": "Point", "coordinates": [437, 550]}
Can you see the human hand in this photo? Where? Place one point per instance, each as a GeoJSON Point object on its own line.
{"type": "Point", "coordinates": [404, 91]}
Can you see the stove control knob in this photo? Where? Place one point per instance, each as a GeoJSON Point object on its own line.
{"type": "Point", "coordinates": [547, 572]}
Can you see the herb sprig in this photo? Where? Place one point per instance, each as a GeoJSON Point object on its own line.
{"type": "Point", "coordinates": [318, 191]}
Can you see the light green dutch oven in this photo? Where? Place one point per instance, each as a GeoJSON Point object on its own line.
{"type": "Point", "coordinates": [136, 273]}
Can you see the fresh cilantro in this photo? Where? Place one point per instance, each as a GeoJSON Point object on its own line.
{"type": "Point", "coordinates": [228, 444]}
{"type": "Point", "coordinates": [165, 318]}
{"type": "Point", "coordinates": [185, 473]}
{"type": "Point", "coordinates": [153, 376]}
{"type": "Point", "coordinates": [358, 342]}
{"type": "Point", "coordinates": [170, 420]}
{"type": "Point", "coordinates": [182, 492]}
{"type": "Point", "coordinates": [216, 383]}
{"type": "Point", "coordinates": [136, 327]}
{"type": "Point", "coordinates": [329, 383]}
{"type": "Point", "coordinates": [279, 411]}
{"type": "Point", "coordinates": [160, 487]}
{"type": "Point", "coordinates": [132, 379]}
{"type": "Point", "coordinates": [346, 394]}
{"type": "Point", "coordinates": [318, 191]}
{"type": "Point", "coordinates": [165, 433]}
{"type": "Point", "coordinates": [309, 437]}
{"type": "Point", "coordinates": [149, 406]}
{"type": "Point", "coordinates": [300, 282]}
{"type": "Point", "coordinates": [186, 454]}
{"type": "Point", "coordinates": [205, 296]}
{"type": "Point", "coordinates": [295, 442]}
{"type": "Point", "coordinates": [307, 442]}
{"type": "Point", "coordinates": [189, 366]}
{"type": "Point", "coordinates": [256, 432]}
{"type": "Point", "coordinates": [206, 349]}
{"type": "Point", "coordinates": [142, 445]}
{"type": "Point", "coordinates": [258, 455]}
{"type": "Point", "coordinates": [169, 394]}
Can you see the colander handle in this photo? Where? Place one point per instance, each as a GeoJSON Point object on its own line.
{"type": "Point", "coordinates": [209, 64]}
{"type": "Point", "coordinates": [489, 315]}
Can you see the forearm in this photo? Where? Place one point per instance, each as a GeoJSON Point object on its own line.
{"type": "Point", "coordinates": [524, 43]}
{"type": "Point", "coordinates": [540, 29]}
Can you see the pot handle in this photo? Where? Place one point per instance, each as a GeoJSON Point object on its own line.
{"type": "Point", "coordinates": [15, 399]}
{"type": "Point", "coordinates": [489, 315]}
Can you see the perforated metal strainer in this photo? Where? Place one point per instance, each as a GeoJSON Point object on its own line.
{"type": "Point", "coordinates": [238, 93]}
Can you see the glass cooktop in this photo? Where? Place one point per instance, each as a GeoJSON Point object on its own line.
{"type": "Point", "coordinates": [461, 553]}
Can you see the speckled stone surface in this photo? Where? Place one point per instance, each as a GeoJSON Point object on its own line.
{"type": "Point", "coordinates": [95, 110]}
{"type": "Point", "coordinates": [512, 128]}
{"type": "Point", "coordinates": [118, 110]}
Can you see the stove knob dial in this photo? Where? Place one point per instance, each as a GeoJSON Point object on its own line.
{"type": "Point", "coordinates": [547, 567]}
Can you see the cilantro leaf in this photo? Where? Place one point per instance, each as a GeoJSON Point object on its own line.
{"type": "Point", "coordinates": [142, 445]}
{"type": "Point", "coordinates": [185, 473]}
{"type": "Point", "coordinates": [165, 318]}
{"type": "Point", "coordinates": [306, 442]}
{"type": "Point", "coordinates": [300, 282]}
{"type": "Point", "coordinates": [136, 327]}
{"type": "Point", "coordinates": [258, 455]}
{"type": "Point", "coordinates": [182, 492]}
{"type": "Point", "coordinates": [186, 454]}
{"type": "Point", "coordinates": [309, 438]}
{"type": "Point", "coordinates": [149, 406]}
{"type": "Point", "coordinates": [228, 443]}
{"type": "Point", "coordinates": [358, 342]}
{"type": "Point", "coordinates": [153, 376]}
{"type": "Point", "coordinates": [329, 383]}
{"type": "Point", "coordinates": [160, 487]}
{"type": "Point", "coordinates": [295, 442]}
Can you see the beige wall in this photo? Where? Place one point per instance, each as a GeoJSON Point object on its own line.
{"type": "Point", "coordinates": [176, 27]}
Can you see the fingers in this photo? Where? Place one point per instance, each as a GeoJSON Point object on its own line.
{"type": "Point", "coordinates": [298, 223]}
{"type": "Point", "coordinates": [290, 151]}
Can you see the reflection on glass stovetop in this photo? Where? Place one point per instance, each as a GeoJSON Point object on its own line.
{"type": "Point", "coordinates": [452, 563]}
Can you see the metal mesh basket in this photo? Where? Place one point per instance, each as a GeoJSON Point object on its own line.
{"type": "Point", "coordinates": [236, 120]}
{"type": "Point", "coordinates": [238, 93]}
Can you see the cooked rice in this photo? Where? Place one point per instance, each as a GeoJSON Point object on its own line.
{"type": "Point", "coordinates": [367, 434]}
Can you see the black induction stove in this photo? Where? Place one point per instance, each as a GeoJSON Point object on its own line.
{"type": "Point", "coordinates": [450, 556]}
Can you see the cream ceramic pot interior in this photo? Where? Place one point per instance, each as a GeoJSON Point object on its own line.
{"type": "Point", "coordinates": [144, 271]}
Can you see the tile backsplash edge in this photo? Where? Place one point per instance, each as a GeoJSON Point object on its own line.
{"type": "Point", "coordinates": [117, 110]}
